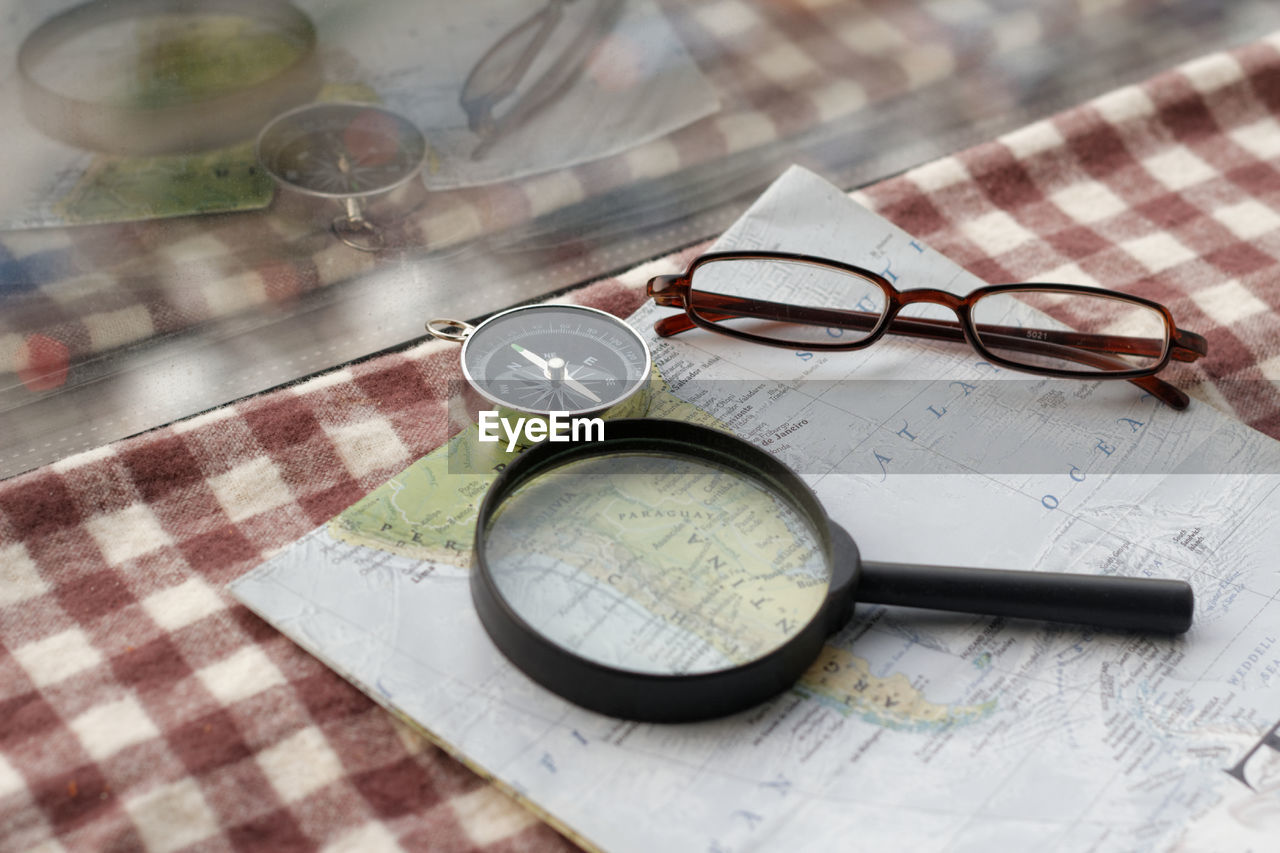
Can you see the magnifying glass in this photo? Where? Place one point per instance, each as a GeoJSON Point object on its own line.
{"type": "Point", "coordinates": [673, 572]}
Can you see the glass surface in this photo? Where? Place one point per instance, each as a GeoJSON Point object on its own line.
{"type": "Point", "coordinates": [133, 294]}
{"type": "Point", "coordinates": [661, 564]}
{"type": "Point", "coordinates": [775, 289]}
{"type": "Point", "coordinates": [1110, 334]}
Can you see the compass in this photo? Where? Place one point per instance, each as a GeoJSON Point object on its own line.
{"type": "Point", "coordinates": [567, 359]}
{"type": "Point", "coordinates": [344, 151]}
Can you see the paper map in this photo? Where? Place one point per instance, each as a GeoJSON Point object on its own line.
{"type": "Point", "coordinates": [914, 730]}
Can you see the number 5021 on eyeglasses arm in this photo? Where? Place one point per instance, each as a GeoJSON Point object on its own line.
{"type": "Point", "coordinates": [802, 302]}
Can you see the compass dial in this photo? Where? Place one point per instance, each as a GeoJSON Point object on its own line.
{"type": "Point", "coordinates": [556, 358]}
{"type": "Point", "coordinates": [341, 150]}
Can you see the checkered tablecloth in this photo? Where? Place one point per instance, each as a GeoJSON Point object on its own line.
{"type": "Point", "coordinates": [140, 707]}
{"type": "Point", "coordinates": [778, 70]}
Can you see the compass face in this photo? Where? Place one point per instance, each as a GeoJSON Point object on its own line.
{"type": "Point", "coordinates": [341, 150]}
{"type": "Point", "coordinates": [556, 358]}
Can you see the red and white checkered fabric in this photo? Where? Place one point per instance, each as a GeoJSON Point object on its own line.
{"type": "Point", "coordinates": [140, 707]}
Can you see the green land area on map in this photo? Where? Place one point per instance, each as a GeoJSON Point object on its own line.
{"type": "Point", "coordinates": [125, 188]}
{"type": "Point", "coordinates": [844, 681]}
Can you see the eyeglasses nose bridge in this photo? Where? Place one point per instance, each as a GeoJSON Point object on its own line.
{"type": "Point", "coordinates": [931, 296]}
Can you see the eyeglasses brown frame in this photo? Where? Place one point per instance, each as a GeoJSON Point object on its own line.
{"type": "Point", "coordinates": [676, 291]}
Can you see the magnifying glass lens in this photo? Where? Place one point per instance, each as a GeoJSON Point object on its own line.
{"type": "Point", "coordinates": [661, 564]}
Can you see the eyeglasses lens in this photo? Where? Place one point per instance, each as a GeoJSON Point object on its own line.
{"type": "Point", "coordinates": [1081, 332]}
{"type": "Point", "coordinates": [787, 301]}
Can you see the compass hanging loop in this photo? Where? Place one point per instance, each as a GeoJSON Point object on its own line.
{"type": "Point", "coordinates": [454, 331]}
{"type": "Point", "coordinates": [358, 233]}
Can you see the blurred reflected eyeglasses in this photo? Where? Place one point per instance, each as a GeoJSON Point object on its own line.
{"type": "Point", "coordinates": [801, 302]}
{"type": "Point", "coordinates": [503, 68]}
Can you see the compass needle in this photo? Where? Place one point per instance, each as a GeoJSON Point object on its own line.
{"type": "Point", "coordinates": [580, 388]}
{"type": "Point", "coordinates": [535, 359]}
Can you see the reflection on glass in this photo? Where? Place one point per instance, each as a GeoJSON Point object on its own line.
{"type": "Point", "coordinates": [516, 66]}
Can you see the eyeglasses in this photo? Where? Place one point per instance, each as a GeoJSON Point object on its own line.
{"type": "Point", "coordinates": [801, 302]}
{"type": "Point", "coordinates": [504, 66]}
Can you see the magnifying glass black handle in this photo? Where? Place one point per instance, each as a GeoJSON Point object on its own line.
{"type": "Point", "coordinates": [1106, 601]}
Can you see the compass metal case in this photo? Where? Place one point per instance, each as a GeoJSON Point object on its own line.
{"type": "Point", "coordinates": [564, 359]}
{"type": "Point", "coordinates": [349, 152]}
{"type": "Point", "coordinates": [341, 150]}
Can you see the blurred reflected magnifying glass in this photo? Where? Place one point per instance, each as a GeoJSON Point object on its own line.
{"type": "Point", "coordinates": [156, 77]}
{"type": "Point", "coordinates": [672, 572]}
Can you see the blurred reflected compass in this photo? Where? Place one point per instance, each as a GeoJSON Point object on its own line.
{"type": "Point", "coordinates": [349, 152]}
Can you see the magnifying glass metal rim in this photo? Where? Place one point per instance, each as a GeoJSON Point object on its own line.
{"type": "Point", "coordinates": [649, 696]}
